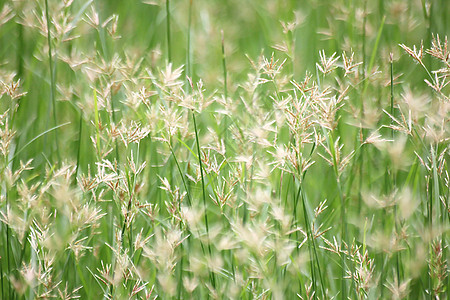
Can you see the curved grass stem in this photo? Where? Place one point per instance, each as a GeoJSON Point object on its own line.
{"type": "Point", "coordinates": [213, 281]}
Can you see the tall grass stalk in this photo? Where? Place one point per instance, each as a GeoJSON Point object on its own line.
{"type": "Point", "coordinates": [391, 85]}
{"type": "Point", "coordinates": [188, 46]}
{"type": "Point", "coordinates": [114, 121]}
{"type": "Point", "coordinates": [225, 87]}
{"type": "Point", "coordinates": [52, 67]}
{"type": "Point", "coordinates": [312, 248]}
{"type": "Point", "coordinates": [80, 134]}
{"type": "Point", "coordinates": [169, 43]}
{"type": "Point", "coordinates": [2, 285]}
{"type": "Point", "coordinates": [8, 258]}
{"type": "Point", "coordinates": [363, 40]}
{"type": "Point", "coordinates": [20, 50]}
{"type": "Point", "coordinates": [436, 194]}
{"type": "Point", "coordinates": [97, 123]}
{"type": "Point", "coordinates": [205, 207]}
{"type": "Point", "coordinates": [182, 176]}
{"type": "Point", "coordinates": [393, 172]}
{"type": "Point", "coordinates": [224, 66]}
{"type": "Point", "coordinates": [374, 53]}
{"type": "Point", "coordinates": [343, 214]}
{"type": "Point", "coordinates": [189, 198]}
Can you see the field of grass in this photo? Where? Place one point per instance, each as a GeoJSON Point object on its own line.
{"type": "Point", "coordinates": [210, 149]}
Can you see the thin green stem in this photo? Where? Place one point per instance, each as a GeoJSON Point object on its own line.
{"type": "Point", "coordinates": [225, 86]}
{"type": "Point", "coordinates": [97, 124]}
{"type": "Point", "coordinates": [20, 50]}
{"type": "Point", "coordinates": [169, 46]}
{"type": "Point", "coordinates": [224, 66]}
{"type": "Point", "coordinates": [393, 175]}
{"type": "Point", "coordinates": [203, 192]}
{"type": "Point", "coordinates": [34, 139]}
{"type": "Point", "coordinates": [311, 248]}
{"type": "Point", "coordinates": [52, 78]}
{"type": "Point", "coordinates": [80, 131]}
{"type": "Point", "coordinates": [391, 62]}
{"type": "Point", "coordinates": [113, 113]}
{"type": "Point", "coordinates": [80, 274]}
{"type": "Point", "coordinates": [8, 257]}
{"type": "Point", "coordinates": [1, 278]}
{"type": "Point", "coordinates": [344, 233]}
{"type": "Point", "coordinates": [188, 46]}
{"type": "Point", "coordinates": [374, 53]}
{"type": "Point", "coordinates": [364, 40]}
{"type": "Point", "coordinates": [189, 198]}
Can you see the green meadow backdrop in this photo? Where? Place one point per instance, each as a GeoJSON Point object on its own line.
{"type": "Point", "coordinates": [241, 149]}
